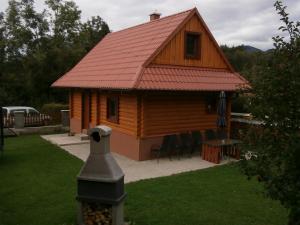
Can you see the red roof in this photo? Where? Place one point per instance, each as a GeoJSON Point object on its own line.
{"type": "Point", "coordinates": [121, 61]}
{"type": "Point", "coordinates": [189, 78]}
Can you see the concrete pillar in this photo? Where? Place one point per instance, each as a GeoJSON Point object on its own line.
{"type": "Point", "coordinates": [65, 118]}
{"type": "Point", "coordinates": [19, 119]}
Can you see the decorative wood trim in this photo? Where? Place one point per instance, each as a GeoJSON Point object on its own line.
{"type": "Point", "coordinates": [171, 36]}
{"type": "Point", "coordinates": [214, 41]}
{"type": "Point", "coordinates": [89, 93]}
{"type": "Point", "coordinates": [71, 103]}
{"type": "Point", "coordinates": [98, 110]}
{"type": "Point", "coordinates": [139, 115]}
{"type": "Point", "coordinates": [82, 109]}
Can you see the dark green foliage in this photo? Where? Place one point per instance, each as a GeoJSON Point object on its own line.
{"type": "Point", "coordinates": [38, 47]}
{"type": "Point", "coordinates": [276, 101]}
{"type": "Point", "coordinates": [244, 61]}
{"type": "Point", "coordinates": [54, 111]}
{"type": "Point", "coordinates": [240, 103]}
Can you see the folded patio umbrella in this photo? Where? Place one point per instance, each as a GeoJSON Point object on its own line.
{"type": "Point", "coordinates": [221, 121]}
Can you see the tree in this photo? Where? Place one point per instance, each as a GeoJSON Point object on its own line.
{"type": "Point", "coordinates": [38, 47]}
{"type": "Point", "coordinates": [275, 149]}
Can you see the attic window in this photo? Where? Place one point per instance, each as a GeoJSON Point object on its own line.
{"type": "Point", "coordinates": [113, 109]}
{"type": "Point", "coordinates": [192, 45]}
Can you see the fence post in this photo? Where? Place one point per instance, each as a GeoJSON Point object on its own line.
{"type": "Point", "coordinates": [1, 130]}
{"type": "Point", "coordinates": [65, 118]}
{"type": "Point", "coordinates": [19, 119]}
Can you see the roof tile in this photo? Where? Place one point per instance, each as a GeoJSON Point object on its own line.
{"type": "Point", "coordinates": [193, 78]}
{"type": "Point", "coordinates": [119, 52]}
{"type": "Point", "coordinates": [117, 62]}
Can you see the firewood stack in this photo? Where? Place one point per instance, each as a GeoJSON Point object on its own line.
{"type": "Point", "coordinates": [94, 214]}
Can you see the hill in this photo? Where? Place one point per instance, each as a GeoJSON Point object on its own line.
{"type": "Point", "coordinates": [249, 48]}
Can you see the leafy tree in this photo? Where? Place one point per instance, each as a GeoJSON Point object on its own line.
{"type": "Point", "coordinates": [245, 62]}
{"type": "Point", "coordinates": [38, 47]}
{"type": "Point", "coordinates": [273, 152]}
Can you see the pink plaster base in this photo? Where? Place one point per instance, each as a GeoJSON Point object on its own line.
{"type": "Point", "coordinates": [75, 125]}
{"type": "Point", "coordinates": [124, 144]}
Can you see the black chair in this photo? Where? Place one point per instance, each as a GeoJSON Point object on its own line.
{"type": "Point", "coordinates": [185, 143]}
{"type": "Point", "coordinates": [196, 141]}
{"type": "Point", "coordinates": [222, 134]}
{"type": "Point", "coordinates": [163, 149]}
{"type": "Point", "coordinates": [174, 145]}
{"type": "Point", "coordinates": [210, 135]}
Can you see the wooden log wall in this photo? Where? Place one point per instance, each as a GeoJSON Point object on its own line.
{"type": "Point", "coordinates": [127, 113]}
{"type": "Point", "coordinates": [128, 109]}
{"type": "Point", "coordinates": [76, 102]}
{"type": "Point", "coordinates": [174, 113]}
{"type": "Point", "coordinates": [94, 108]}
{"type": "Point", "coordinates": [151, 114]}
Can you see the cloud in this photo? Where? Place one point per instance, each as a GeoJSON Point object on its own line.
{"type": "Point", "coordinates": [232, 22]}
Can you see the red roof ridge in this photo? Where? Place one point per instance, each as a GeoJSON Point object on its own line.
{"type": "Point", "coordinates": [153, 21]}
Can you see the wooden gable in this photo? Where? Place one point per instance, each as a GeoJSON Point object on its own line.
{"type": "Point", "coordinates": [174, 52]}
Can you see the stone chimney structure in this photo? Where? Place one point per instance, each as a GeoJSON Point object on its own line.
{"type": "Point", "coordinates": [154, 16]}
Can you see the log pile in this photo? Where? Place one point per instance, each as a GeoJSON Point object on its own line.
{"type": "Point", "coordinates": [94, 214]}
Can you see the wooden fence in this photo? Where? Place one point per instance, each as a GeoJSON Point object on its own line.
{"type": "Point", "coordinates": [29, 120]}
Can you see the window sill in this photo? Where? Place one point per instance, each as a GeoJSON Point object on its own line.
{"type": "Point", "coordinates": [113, 120]}
{"type": "Point", "coordinates": [192, 57]}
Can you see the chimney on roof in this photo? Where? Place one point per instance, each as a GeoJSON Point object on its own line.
{"type": "Point", "coordinates": [154, 16]}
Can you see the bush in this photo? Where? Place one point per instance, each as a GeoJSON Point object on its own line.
{"type": "Point", "coordinates": [53, 110]}
{"type": "Point", "coordinates": [240, 104]}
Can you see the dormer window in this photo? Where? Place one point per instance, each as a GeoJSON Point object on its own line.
{"type": "Point", "coordinates": [192, 45]}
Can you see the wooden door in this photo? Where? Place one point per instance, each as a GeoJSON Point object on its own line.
{"type": "Point", "coordinates": [86, 109]}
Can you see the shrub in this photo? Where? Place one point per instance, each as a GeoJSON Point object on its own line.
{"type": "Point", "coordinates": [53, 110]}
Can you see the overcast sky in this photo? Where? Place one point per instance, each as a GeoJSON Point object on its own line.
{"type": "Point", "coordinates": [232, 22]}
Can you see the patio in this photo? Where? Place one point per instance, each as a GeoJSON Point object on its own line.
{"type": "Point", "coordinates": [134, 170]}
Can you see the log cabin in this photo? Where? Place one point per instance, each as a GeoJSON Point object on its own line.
{"type": "Point", "coordinates": [157, 78]}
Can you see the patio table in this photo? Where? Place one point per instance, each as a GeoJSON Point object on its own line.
{"type": "Point", "coordinates": [213, 150]}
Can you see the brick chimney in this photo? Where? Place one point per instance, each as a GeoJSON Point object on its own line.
{"type": "Point", "coordinates": [154, 16]}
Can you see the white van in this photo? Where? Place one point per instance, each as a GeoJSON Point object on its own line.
{"type": "Point", "coordinates": [9, 110]}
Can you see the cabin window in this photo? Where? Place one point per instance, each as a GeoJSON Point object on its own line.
{"type": "Point", "coordinates": [192, 45]}
{"type": "Point", "coordinates": [113, 109]}
{"type": "Point", "coordinates": [211, 101]}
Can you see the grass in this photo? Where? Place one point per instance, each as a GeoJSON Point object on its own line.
{"type": "Point", "coordinates": [215, 196]}
{"type": "Point", "coordinates": [38, 183]}
{"type": "Point", "coordinates": [38, 187]}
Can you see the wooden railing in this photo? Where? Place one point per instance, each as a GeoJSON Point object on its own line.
{"type": "Point", "coordinates": [8, 121]}
{"type": "Point", "coordinates": [240, 124]}
{"type": "Point", "coordinates": [34, 120]}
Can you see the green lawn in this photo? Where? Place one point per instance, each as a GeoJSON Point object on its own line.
{"type": "Point", "coordinates": [38, 186]}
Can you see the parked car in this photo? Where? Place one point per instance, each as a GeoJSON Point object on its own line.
{"type": "Point", "coordinates": [32, 116]}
